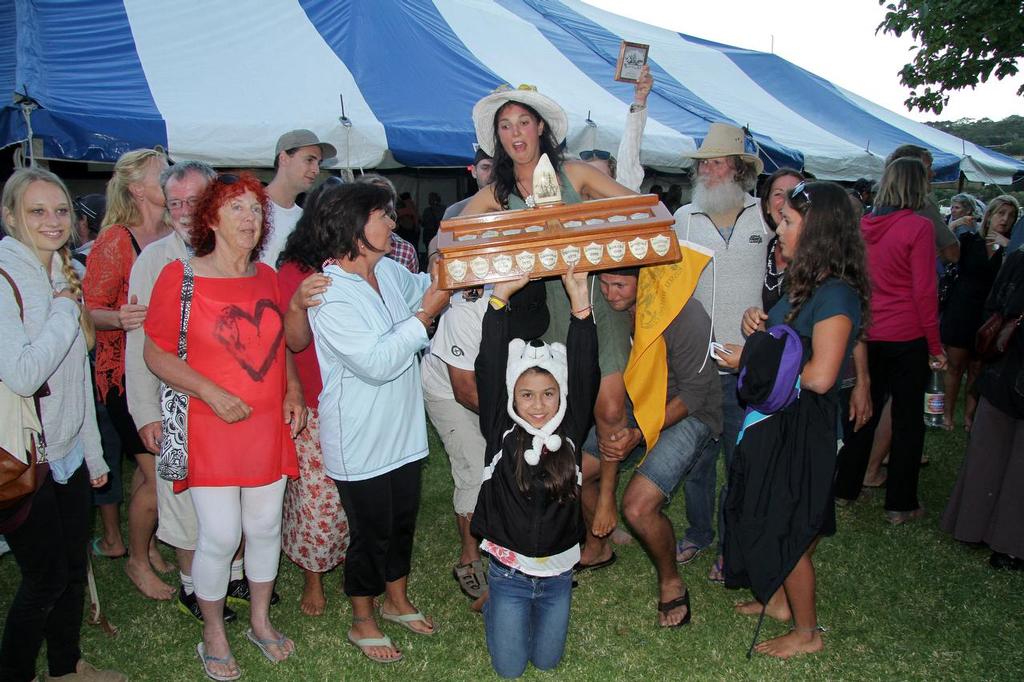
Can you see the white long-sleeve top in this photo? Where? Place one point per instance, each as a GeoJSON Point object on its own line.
{"type": "Point", "coordinates": [48, 347]}
{"type": "Point", "coordinates": [371, 407]}
{"type": "Point", "coordinates": [629, 172]}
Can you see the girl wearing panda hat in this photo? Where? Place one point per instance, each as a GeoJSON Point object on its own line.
{"type": "Point", "coordinates": [536, 404]}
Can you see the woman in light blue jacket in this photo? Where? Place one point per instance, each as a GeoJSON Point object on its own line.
{"type": "Point", "coordinates": [46, 340]}
{"type": "Point", "coordinates": [368, 330]}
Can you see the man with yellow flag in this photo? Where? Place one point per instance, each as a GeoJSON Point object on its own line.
{"type": "Point", "coordinates": [676, 398]}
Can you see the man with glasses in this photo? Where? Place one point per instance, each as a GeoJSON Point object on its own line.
{"type": "Point", "coordinates": [297, 159]}
{"type": "Point", "coordinates": [723, 217]}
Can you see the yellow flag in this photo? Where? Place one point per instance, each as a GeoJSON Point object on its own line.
{"type": "Point", "coordinates": [662, 291]}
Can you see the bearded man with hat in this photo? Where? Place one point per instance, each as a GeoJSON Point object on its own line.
{"type": "Point", "coordinates": [723, 216]}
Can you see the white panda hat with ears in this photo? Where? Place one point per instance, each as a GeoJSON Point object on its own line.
{"type": "Point", "coordinates": [551, 357]}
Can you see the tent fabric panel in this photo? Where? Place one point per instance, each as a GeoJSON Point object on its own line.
{"type": "Point", "coordinates": [978, 163]}
{"type": "Point", "coordinates": [415, 73]}
{"type": "Point", "coordinates": [80, 57]}
{"type": "Point", "coordinates": [8, 50]}
{"type": "Point", "coordinates": [818, 101]}
{"type": "Point", "coordinates": [230, 78]}
{"type": "Point", "coordinates": [525, 56]}
{"type": "Point", "coordinates": [598, 34]}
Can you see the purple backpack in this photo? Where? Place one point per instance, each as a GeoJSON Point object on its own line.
{"type": "Point", "coordinates": [770, 369]}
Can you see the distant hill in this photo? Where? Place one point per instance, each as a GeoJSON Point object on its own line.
{"type": "Point", "coordinates": [1006, 136]}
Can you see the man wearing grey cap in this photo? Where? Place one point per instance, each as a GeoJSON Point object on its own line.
{"type": "Point", "coordinates": [297, 160]}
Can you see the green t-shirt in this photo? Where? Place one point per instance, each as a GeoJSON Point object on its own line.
{"type": "Point", "coordinates": [613, 327]}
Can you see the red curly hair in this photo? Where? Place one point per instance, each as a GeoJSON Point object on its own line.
{"type": "Point", "coordinates": [219, 192]}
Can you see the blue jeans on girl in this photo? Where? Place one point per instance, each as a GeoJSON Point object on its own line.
{"type": "Point", "coordinates": [526, 619]}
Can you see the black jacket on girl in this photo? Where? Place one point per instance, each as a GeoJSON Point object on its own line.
{"type": "Point", "coordinates": [534, 524]}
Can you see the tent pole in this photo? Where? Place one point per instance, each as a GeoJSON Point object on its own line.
{"type": "Point", "coordinates": [27, 107]}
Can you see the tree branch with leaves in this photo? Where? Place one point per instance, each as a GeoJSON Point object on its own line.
{"type": "Point", "coordinates": [960, 43]}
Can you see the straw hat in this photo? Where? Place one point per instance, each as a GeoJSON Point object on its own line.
{"type": "Point", "coordinates": [484, 110]}
{"type": "Point", "coordinates": [725, 140]}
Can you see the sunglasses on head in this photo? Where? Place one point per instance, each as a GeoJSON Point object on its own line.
{"type": "Point", "coordinates": [227, 178]}
{"type": "Point", "coordinates": [592, 154]}
{"type": "Point", "coordinates": [799, 196]}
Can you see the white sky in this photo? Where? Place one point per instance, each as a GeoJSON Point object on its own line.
{"type": "Point", "coordinates": [834, 39]}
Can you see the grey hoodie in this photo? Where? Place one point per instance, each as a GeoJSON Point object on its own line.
{"type": "Point", "coordinates": [48, 347]}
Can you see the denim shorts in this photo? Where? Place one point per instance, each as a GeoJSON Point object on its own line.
{"type": "Point", "coordinates": [678, 449]}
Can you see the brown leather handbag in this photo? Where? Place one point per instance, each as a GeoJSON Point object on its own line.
{"type": "Point", "coordinates": [993, 337]}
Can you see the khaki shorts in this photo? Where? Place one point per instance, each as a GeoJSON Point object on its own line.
{"type": "Point", "coordinates": [459, 429]}
{"type": "Point", "coordinates": [176, 516]}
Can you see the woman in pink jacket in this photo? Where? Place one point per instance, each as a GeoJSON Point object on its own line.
{"type": "Point", "coordinates": [903, 339]}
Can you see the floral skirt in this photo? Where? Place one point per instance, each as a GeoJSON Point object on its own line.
{"type": "Point", "coordinates": [314, 530]}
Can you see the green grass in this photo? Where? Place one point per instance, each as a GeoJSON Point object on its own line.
{"type": "Point", "coordinates": [902, 603]}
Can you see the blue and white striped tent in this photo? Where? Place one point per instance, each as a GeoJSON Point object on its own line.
{"type": "Point", "coordinates": [219, 80]}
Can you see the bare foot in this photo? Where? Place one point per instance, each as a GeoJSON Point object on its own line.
{"type": "Point", "coordinates": [605, 519]}
{"type": "Point", "coordinates": [666, 594]}
{"type": "Point", "coordinates": [149, 583]}
{"type": "Point", "coordinates": [392, 609]}
{"type": "Point", "coordinates": [366, 628]}
{"type": "Point", "coordinates": [795, 642]}
{"type": "Point", "coordinates": [875, 481]}
{"type": "Point", "coordinates": [313, 600]}
{"type": "Point", "coordinates": [157, 561]}
{"type": "Point", "coordinates": [621, 537]}
{"type": "Point", "coordinates": [779, 611]}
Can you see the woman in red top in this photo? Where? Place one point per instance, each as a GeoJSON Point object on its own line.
{"type": "Point", "coordinates": [314, 531]}
{"type": "Point", "coordinates": [903, 339]}
{"type": "Point", "coordinates": [134, 218]}
{"type": "Point", "coordinates": [246, 407]}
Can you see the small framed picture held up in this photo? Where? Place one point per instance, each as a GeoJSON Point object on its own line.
{"type": "Point", "coordinates": [632, 56]}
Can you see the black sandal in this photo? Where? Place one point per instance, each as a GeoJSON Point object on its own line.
{"type": "Point", "coordinates": [667, 607]}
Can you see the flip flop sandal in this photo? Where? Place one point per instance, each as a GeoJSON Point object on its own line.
{"type": "Point", "coordinates": [100, 553]}
{"type": "Point", "coordinates": [468, 576]}
{"type": "Point", "coordinates": [668, 607]}
{"type": "Point", "coordinates": [264, 645]}
{"type": "Point", "coordinates": [207, 660]}
{"type": "Point", "coordinates": [687, 551]}
{"type": "Point", "coordinates": [407, 619]}
{"type": "Point", "coordinates": [581, 567]}
{"type": "Point", "coordinates": [365, 642]}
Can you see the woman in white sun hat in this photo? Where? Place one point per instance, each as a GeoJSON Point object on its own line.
{"type": "Point", "coordinates": [517, 126]}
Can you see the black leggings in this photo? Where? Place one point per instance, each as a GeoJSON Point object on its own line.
{"type": "Point", "coordinates": [50, 549]}
{"type": "Point", "coordinates": [381, 515]}
{"type": "Point", "coordinates": [898, 369]}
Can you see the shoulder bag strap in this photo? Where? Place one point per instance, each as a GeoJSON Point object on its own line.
{"type": "Point", "coordinates": [187, 288]}
{"type": "Point", "coordinates": [135, 244]}
{"type": "Point", "coordinates": [17, 293]}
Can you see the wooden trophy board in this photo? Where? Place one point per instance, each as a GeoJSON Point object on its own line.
{"type": "Point", "coordinates": [603, 234]}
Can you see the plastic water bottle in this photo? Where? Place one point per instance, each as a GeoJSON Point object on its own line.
{"type": "Point", "coordinates": [935, 399]}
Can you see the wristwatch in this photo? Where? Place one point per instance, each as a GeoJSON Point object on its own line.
{"type": "Point", "coordinates": [634, 107]}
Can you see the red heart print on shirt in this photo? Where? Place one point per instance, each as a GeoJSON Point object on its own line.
{"type": "Point", "coordinates": [252, 339]}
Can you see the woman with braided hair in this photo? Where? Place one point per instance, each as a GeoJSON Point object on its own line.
{"type": "Point", "coordinates": [47, 336]}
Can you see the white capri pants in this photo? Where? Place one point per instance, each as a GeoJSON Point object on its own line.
{"type": "Point", "coordinates": [223, 515]}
